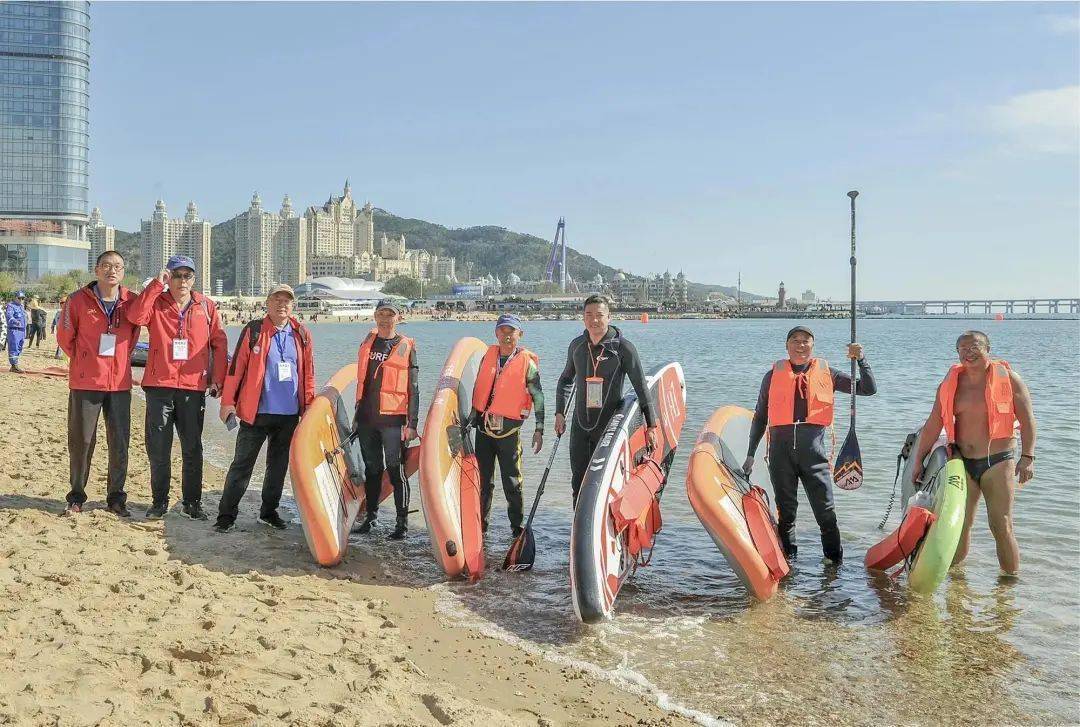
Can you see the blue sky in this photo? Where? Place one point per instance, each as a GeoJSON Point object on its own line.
{"type": "Point", "coordinates": [712, 138]}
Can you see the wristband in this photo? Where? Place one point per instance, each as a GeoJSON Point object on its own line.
{"type": "Point", "coordinates": [1029, 456]}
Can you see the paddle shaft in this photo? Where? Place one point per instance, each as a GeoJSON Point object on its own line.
{"type": "Point", "coordinates": [551, 461]}
{"type": "Point", "coordinates": [854, 366]}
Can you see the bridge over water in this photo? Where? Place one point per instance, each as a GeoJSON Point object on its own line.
{"type": "Point", "coordinates": [969, 306]}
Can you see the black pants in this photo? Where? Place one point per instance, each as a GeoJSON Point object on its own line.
{"type": "Point", "coordinates": [381, 449]}
{"type": "Point", "coordinates": [277, 430]}
{"type": "Point", "coordinates": [582, 444]}
{"type": "Point", "coordinates": [507, 450]}
{"type": "Point", "coordinates": [797, 452]}
{"type": "Point", "coordinates": [183, 409]}
{"type": "Point", "coordinates": [84, 407]}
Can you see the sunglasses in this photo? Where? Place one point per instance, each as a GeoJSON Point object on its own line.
{"type": "Point", "coordinates": [183, 276]}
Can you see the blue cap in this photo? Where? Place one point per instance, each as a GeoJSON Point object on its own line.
{"type": "Point", "coordinates": [20, 294]}
{"type": "Point", "coordinates": [509, 319]}
{"type": "Point", "coordinates": [180, 261]}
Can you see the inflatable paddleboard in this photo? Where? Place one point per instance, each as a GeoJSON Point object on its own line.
{"type": "Point", "coordinates": [929, 533]}
{"type": "Point", "coordinates": [449, 477]}
{"type": "Point", "coordinates": [736, 514]}
{"type": "Point", "coordinates": [618, 514]}
{"type": "Point", "coordinates": [327, 470]}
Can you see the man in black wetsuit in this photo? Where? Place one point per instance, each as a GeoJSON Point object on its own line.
{"type": "Point", "coordinates": [597, 362]}
{"type": "Point", "coordinates": [796, 403]}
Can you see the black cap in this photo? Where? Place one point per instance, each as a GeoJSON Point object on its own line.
{"type": "Point", "coordinates": [388, 304]}
{"type": "Point", "coordinates": [799, 329]}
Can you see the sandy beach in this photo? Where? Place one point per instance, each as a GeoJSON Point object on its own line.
{"type": "Point", "coordinates": [120, 622]}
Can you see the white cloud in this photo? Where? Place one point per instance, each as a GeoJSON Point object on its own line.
{"type": "Point", "coordinates": [1062, 24]}
{"type": "Point", "coordinates": [1045, 121]}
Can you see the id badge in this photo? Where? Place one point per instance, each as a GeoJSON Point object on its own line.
{"type": "Point", "coordinates": [284, 371]}
{"type": "Point", "coordinates": [179, 349]}
{"type": "Point", "coordinates": [594, 392]}
{"type": "Point", "coordinates": [107, 345]}
{"type": "Point", "coordinates": [494, 423]}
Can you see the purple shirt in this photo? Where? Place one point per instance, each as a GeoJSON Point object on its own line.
{"type": "Point", "coordinates": [280, 397]}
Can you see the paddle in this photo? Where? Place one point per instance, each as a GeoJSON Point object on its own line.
{"type": "Point", "coordinates": [848, 472]}
{"type": "Point", "coordinates": [522, 553]}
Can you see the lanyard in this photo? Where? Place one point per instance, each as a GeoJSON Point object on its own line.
{"type": "Point", "coordinates": [280, 342]}
{"type": "Point", "coordinates": [596, 360]}
{"type": "Point", "coordinates": [108, 311]}
{"type": "Point", "coordinates": [182, 314]}
{"type": "Point", "coordinates": [500, 366]}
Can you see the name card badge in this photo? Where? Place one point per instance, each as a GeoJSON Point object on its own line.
{"type": "Point", "coordinates": [107, 344]}
{"type": "Point", "coordinates": [494, 423]}
{"type": "Point", "coordinates": [179, 349]}
{"type": "Point", "coordinates": [594, 392]}
{"type": "Point", "coordinates": [284, 371]}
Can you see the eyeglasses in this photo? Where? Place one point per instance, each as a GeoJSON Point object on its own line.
{"type": "Point", "coordinates": [183, 276]}
{"type": "Point", "coordinates": [111, 266]}
{"type": "Point", "coordinates": [973, 346]}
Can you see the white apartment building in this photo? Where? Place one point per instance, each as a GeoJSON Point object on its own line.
{"type": "Point", "coordinates": [271, 248]}
{"type": "Point", "coordinates": [162, 237]}
{"type": "Point", "coordinates": [102, 237]}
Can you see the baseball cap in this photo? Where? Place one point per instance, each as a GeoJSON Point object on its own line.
{"type": "Point", "coordinates": [20, 294]}
{"type": "Point", "coordinates": [180, 261]}
{"type": "Point", "coordinates": [799, 329]}
{"type": "Point", "coordinates": [282, 288]}
{"type": "Point", "coordinates": [509, 319]}
{"type": "Point", "coordinates": [388, 304]}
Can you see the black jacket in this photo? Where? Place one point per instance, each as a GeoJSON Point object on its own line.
{"type": "Point", "coordinates": [618, 359]}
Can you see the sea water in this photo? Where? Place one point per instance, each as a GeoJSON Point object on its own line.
{"type": "Point", "coordinates": [833, 646]}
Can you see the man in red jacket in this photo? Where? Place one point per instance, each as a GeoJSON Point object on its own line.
{"type": "Point", "coordinates": [97, 336]}
{"type": "Point", "coordinates": [270, 382]}
{"type": "Point", "coordinates": [188, 350]}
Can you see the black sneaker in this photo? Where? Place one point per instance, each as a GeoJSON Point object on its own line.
{"type": "Point", "coordinates": [273, 520]}
{"type": "Point", "coordinates": [401, 528]}
{"type": "Point", "coordinates": [370, 521]}
{"type": "Point", "coordinates": [193, 510]}
{"type": "Point", "coordinates": [224, 526]}
{"type": "Point", "coordinates": [157, 511]}
{"type": "Point", "coordinates": [119, 509]}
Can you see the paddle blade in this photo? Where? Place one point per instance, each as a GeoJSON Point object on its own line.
{"type": "Point", "coordinates": [848, 474]}
{"type": "Point", "coordinates": [522, 553]}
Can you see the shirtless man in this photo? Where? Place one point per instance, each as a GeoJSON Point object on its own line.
{"type": "Point", "coordinates": [984, 439]}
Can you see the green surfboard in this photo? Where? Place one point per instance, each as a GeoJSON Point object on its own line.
{"type": "Point", "coordinates": [938, 548]}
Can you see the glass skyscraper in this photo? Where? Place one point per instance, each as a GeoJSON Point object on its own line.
{"type": "Point", "coordinates": [44, 136]}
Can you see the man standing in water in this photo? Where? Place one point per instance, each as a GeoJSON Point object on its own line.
{"type": "Point", "coordinates": [796, 403]}
{"type": "Point", "coordinates": [597, 362]}
{"type": "Point", "coordinates": [387, 409]}
{"type": "Point", "coordinates": [978, 404]}
{"type": "Point", "coordinates": [507, 388]}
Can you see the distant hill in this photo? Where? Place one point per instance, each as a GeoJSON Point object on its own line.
{"type": "Point", "coordinates": [491, 250]}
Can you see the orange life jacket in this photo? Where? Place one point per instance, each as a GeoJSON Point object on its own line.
{"type": "Point", "coordinates": [819, 393]}
{"type": "Point", "coordinates": [394, 392]}
{"type": "Point", "coordinates": [999, 400]}
{"type": "Point", "coordinates": [506, 390]}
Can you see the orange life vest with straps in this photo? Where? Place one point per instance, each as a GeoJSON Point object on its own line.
{"type": "Point", "coordinates": [1000, 412]}
{"type": "Point", "coordinates": [394, 392]}
{"type": "Point", "coordinates": [817, 380]}
{"type": "Point", "coordinates": [506, 390]}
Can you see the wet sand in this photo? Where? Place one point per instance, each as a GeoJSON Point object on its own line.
{"type": "Point", "coordinates": [117, 622]}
